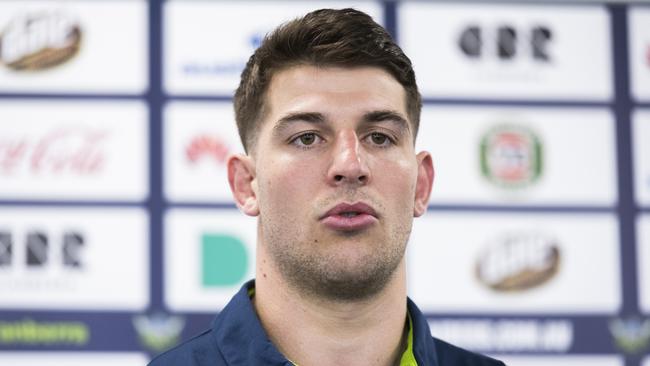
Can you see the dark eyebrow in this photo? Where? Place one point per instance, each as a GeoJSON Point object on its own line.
{"type": "Point", "coordinates": [319, 118]}
{"type": "Point", "coordinates": [309, 117]}
{"type": "Point", "coordinates": [388, 116]}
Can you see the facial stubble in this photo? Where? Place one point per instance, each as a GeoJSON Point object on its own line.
{"type": "Point", "coordinates": [314, 266]}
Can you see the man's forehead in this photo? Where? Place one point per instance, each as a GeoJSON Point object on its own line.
{"type": "Point", "coordinates": [303, 75]}
{"type": "Point", "coordinates": [331, 90]}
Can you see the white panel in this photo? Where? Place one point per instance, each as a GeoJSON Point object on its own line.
{"type": "Point", "coordinates": [73, 150]}
{"type": "Point", "coordinates": [577, 152]}
{"type": "Point", "coordinates": [639, 45]}
{"type": "Point", "coordinates": [641, 157]}
{"type": "Point", "coordinates": [582, 360]}
{"type": "Point", "coordinates": [643, 261]}
{"type": "Point", "coordinates": [73, 358]}
{"type": "Point", "coordinates": [461, 262]}
{"type": "Point", "coordinates": [207, 44]}
{"type": "Point", "coordinates": [113, 259]}
{"type": "Point", "coordinates": [559, 51]}
{"type": "Point", "coordinates": [185, 289]}
{"type": "Point", "coordinates": [112, 46]}
{"type": "Point", "coordinates": [198, 139]}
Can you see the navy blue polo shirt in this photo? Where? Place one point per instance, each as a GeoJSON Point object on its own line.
{"type": "Point", "coordinates": [238, 339]}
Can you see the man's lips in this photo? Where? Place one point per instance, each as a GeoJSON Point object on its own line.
{"type": "Point", "coordinates": [349, 217]}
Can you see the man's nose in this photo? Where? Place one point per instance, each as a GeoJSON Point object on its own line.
{"type": "Point", "coordinates": [349, 165]}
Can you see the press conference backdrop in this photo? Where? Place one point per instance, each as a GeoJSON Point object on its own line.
{"type": "Point", "coordinates": [119, 237]}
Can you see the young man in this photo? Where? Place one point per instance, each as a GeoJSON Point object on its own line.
{"type": "Point", "coordinates": [327, 110]}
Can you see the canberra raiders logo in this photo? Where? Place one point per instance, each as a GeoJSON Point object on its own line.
{"type": "Point", "coordinates": [511, 156]}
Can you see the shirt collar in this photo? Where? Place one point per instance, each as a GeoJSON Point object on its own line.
{"type": "Point", "coordinates": [242, 340]}
{"type": "Point", "coordinates": [424, 348]}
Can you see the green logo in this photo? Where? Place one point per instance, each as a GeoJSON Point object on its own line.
{"type": "Point", "coordinates": [632, 334]}
{"type": "Point", "coordinates": [225, 260]}
{"type": "Point", "coordinates": [511, 156]}
{"type": "Point", "coordinates": [158, 331]}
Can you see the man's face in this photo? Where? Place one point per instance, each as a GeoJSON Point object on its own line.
{"type": "Point", "coordinates": [336, 179]}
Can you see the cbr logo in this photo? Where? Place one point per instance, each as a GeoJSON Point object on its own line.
{"type": "Point", "coordinates": [506, 42]}
{"type": "Point", "coordinates": [38, 249]}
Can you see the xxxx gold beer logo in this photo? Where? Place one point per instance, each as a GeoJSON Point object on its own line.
{"type": "Point", "coordinates": [518, 262]}
{"type": "Point", "coordinates": [511, 156]}
{"type": "Point", "coordinates": [39, 41]}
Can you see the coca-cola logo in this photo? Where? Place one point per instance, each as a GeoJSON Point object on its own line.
{"type": "Point", "coordinates": [39, 41]}
{"type": "Point", "coordinates": [207, 146]}
{"type": "Point", "coordinates": [519, 261]}
{"type": "Point", "coordinates": [64, 150]}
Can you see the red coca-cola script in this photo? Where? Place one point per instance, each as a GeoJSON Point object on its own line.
{"type": "Point", "coordinates": [61, 151]}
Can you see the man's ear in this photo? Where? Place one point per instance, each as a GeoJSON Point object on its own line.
{"type": "Point", "coordinates": [423, 184]}
{"type": "Point", "coordinates": [241, 176]}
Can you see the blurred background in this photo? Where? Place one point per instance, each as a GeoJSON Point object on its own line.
{"type": "Point", "coordinates": [119, 238]}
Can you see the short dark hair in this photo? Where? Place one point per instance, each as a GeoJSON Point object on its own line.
{"type": "Point", "coordinates": [325, 37]}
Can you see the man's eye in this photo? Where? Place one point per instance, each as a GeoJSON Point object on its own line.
{"type": "Point", "coordinates": [306, 139]}
{"type": "Point", "coordinates": [379, 139]}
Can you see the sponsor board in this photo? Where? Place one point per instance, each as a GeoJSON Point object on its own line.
{"type": "Point", "coordinates": [641, 155]}
{"type": "Point", "coordinates": [643, 261]}
{"type": "Point", "coordinates": [209, 254]}
{"type": "Point", "coordinates": [198, 139]}
{"type": "Point", "coordinates": [66, 258]}
{"type": "Point", "coordinates": [73, 46]}
{"type": "Point", "coordinates": [567, 360]}
{"type": "Point", "coordinates": [74, 150]}
{"type": "Point", "coordinates": [520, 156]}
{"type": "Point", "coordinates": [508, 51]}
{"type": "Point", "coordinates": [207, 44]}
{"type": "Point", "coordinates": [506, 335]}
{"type": "Point", "coordinates": [639, 45]}
{"type": "Point", "coordinates": [73, 358]}
{"type": "Point", "coordinates": [515, 263]}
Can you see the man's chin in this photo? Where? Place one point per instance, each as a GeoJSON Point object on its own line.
{"type": "Point", "coordinates": [343, 281]}
{"type": "Point", "coordinates": [350, 288]}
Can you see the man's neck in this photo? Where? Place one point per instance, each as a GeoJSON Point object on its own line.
{"type": "Point", "coordinates": [315, 331]}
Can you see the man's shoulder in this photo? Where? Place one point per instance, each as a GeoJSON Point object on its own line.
{"type": "Point", "coordinates": [198, 351]}
{"type": "Point", "coordinates": [448, 354]}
